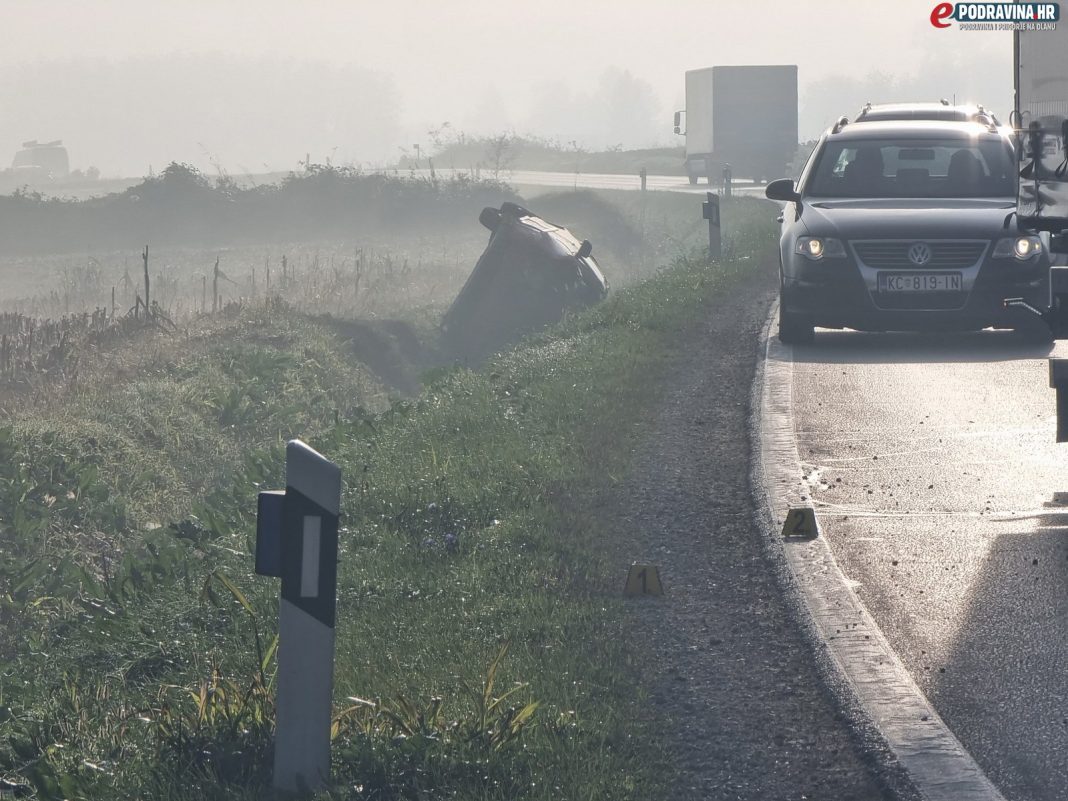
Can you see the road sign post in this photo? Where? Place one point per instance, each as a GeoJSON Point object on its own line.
{"type": "Point", "coordinates": [710, 211]}
{"type": "Point", "coordinates": [296, 540]}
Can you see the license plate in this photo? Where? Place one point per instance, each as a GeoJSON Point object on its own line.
{"type": "Point", "coordinates": [919, 282]}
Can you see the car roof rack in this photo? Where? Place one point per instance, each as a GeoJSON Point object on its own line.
{"type": "Point", "coordinates": [840, 124]}
{"type": "Point", "coordinates": [939, 110]}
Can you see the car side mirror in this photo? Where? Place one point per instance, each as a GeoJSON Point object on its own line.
{"type": "Point", "coordinates": [783, 189]}
{"type": "Point", "coordinates": [585, 249]}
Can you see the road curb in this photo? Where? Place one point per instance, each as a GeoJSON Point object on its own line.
{"type": "Point", "coordinates": [936, 763]}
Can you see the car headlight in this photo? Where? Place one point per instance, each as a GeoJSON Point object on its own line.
{"type": "Point", "coordinates": [819, 247]}
{"type": "Point", "coordinates": [1021, 248]}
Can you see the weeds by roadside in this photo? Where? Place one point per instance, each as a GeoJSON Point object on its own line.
{"type": "Point", "coordinates": [137, 652]}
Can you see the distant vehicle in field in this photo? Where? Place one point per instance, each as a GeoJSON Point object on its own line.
{"type": "Point", "coordinates": [530, 274]}
{"type": "Point", "coordinates": [42, 160]}
{"type": "Point", "coordinates": [742, 116]}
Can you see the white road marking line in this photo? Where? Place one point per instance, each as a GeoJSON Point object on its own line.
{"type": "Point", "coordinates": [830, 509]}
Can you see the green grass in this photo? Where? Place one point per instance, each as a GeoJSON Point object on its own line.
{"type": "Point", "coordinates": [136, 652]}
{"type": "Point", "coordinates": [392, 273]}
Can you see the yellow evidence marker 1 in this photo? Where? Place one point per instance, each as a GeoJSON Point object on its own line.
{"type": "Point", "coordinates": [801, 523]}
{"type": "Point", "coordinates": [643, 580]}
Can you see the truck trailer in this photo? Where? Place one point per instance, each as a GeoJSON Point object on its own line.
{"type": "Point", "coordinates": [739, 119]}
{"type": "Point", "coordinates": [1041, 119]}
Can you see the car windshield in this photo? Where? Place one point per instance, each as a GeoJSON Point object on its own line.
{"type": "Point", "coordinates": [914, 168]}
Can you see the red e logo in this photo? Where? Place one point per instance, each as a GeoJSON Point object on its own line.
{"type": "Point", "coordinates": [941, 11]}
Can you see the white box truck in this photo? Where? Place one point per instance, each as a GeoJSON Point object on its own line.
{"type": "Point", "coordinates": [744, 117]}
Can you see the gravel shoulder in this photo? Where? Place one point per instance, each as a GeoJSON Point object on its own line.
{"type": "Point", "coordinates": [751, 707]}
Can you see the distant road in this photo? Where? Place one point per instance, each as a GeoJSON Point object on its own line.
{"type": "Point", "coordinates": [518, 178]}
{"type": "Point", "coordinates": [582, 180]}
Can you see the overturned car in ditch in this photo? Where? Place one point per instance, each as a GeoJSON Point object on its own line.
{"type": "Point", "coordinates": [531, 273]}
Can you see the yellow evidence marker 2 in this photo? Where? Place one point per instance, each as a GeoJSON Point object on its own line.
{"type": "Point", "coordinates": [801, 523]}
{"type": "Point", "coordinates": [643, 580]}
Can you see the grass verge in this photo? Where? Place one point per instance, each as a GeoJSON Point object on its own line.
{"type": "Point", "coordinates": [481, 640]}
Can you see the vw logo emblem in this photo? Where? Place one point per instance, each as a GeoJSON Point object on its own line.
{"type": "Point", "coordinates": [920, 254]}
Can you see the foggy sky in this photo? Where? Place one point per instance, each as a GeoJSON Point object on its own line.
{"type": "Point", "coordinates": [250, 86]}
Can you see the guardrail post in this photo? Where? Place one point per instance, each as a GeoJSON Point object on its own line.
{"type": "Point", "coordinates": [710, 211]}
{"type": "Point", "coordinates": [296, 540]}
{"type": "Point", "coordinates": [642, 174]}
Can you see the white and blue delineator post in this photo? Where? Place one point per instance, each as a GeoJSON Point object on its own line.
{"type": "Point", "coordinates": [296, 540]}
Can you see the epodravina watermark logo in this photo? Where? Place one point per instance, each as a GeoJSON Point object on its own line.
{"type": "Point", "coordinates": [997, 16]}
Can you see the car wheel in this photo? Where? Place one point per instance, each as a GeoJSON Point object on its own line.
{"type": "Point", "coordinates": [795, 329]}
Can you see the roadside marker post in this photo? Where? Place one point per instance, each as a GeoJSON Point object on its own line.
{"type": "Point", "coordinates": [710, 211]}
{"type": "Point", "coordinates": [643, 580]}
{"type": "Point", "coordinates": [296, 540]}
{"type": "Point", "coordinates": [801, 523]}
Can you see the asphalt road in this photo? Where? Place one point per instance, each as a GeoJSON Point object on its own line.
{"type": "Point", "coordinates": [932, 463]}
